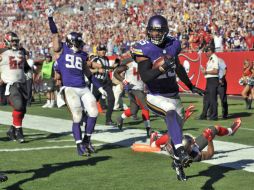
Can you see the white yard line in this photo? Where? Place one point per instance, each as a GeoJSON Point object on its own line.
{"type": "Point", "coordinates": [41, 148]}
{"type": "Point", "coordinates": [228, 154]}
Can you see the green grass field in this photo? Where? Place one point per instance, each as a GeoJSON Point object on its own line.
{"type": "Point", "coordinates": [115, 167]}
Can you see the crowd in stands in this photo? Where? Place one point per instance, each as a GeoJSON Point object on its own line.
{"type": "Point", "coordinates": [117, 23]}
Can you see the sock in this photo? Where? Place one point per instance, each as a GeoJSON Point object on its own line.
{"type": "Point", "coordinates": [91, 121]}
{"type": "Point", "coordinates": [48, 101]}
{"type": "Point", "coordinates": [147, 123]}
{"type": "Point", "coordinates": [162, 140]}
{"type": "Point", "coordinates": [17, 118]}
{"type": "Point", "coordinates": [76, 131]}
{"type": "Point", "coordinates": [221, 131]}
{"type": "Point", "coordinates": [174, 129]}
{"type": "Point", "coordinates": [145, 114]}
{"type": "Point", "coordinates": [127, 113]}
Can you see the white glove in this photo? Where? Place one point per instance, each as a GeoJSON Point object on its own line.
{"type": "Point", "coordinates": [50, 11]}
{"type": "Point", "coordinates": [103, 92]}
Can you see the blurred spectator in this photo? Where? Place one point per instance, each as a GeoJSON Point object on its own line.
{"type": "Point", "coordinates": [116, 25]}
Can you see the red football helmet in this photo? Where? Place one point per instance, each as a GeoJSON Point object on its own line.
{"type": "Point", "coordinates": [11, 40]}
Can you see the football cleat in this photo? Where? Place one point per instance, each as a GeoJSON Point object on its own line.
{"type": "Point", "coordinates": [11, 133]}
{"type": "Point", "coordinates": [184, 158]}
{"type": "Point", "coordinates": [90, 147]}
{"type": "Point", "coordinates": [153, 138]}
{"type": "Point", "coordinates": [82, 150]}
{"type": "Point", "coordinates": [87, 142]}
{"type": "Point", "coordinates": [179, 171]}
{"type": "Point", "coordinates": [3, 177]}
{"type": "Point", "coordinates": [148, 132]}
{"type": "Point", "coordinates": [19, 135]}
{"type": "Point", "coordinates": [235, 126]}
{"type": "Point", "coordinates": [119, 123]}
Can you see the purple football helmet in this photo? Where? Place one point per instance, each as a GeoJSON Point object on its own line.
{"type": "Point", "coordinates": [157, 29]}
{"type": "Point", "coordinates": [74, 41]}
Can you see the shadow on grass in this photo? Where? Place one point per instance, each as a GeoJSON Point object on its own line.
{"type": "Point", "coordinates": [216, 173]}
{"type": "Point", "coordinates": [47, 169]}
{"type": "Point", "coordinates": [240, 114]}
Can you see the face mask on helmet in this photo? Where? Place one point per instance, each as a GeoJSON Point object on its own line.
{"type": "Point", "coordinates": [74, 41]}
{"type": "Point", "coordinates": [11, 40]}
{"type": "Point", "coordinates": [157, 29]}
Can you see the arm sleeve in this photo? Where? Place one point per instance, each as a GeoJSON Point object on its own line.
{"type": "Point", "coordinates": [146, 72]}
{"type": "Point", "coordinates": [91, 77]}
{"type": "Point", "coordinates": [181, 73]}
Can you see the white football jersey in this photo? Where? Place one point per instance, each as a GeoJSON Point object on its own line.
{"type": "Point", "coordinates": [12, 66]}
{"type": "Point", "coordinates": [133, 77]}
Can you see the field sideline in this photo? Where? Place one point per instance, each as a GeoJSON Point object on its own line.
{"type": "Point", "coordinates": [49, 159]}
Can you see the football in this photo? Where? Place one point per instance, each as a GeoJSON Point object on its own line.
{"type": "Point", "coordinates": [158, 62]}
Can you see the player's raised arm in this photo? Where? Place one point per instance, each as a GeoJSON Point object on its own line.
{"type": "Point", "coordinates": [118, 71]}
{"type": "Point", "coordinates": [57, 45]}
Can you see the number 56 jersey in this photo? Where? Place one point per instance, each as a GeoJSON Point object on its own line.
{"type": "Point", "coordinates": [12, 66]}
{"type": "Point", "coordinates": [71, 67]}
{"type": "Point", "coordinates": [165, 84]}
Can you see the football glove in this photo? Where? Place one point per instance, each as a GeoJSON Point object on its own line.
{"type": "Point", "coordinates": [208, 134]}
{"type": "Point", "coordinates": [169, 63]}
{"type": "Point", "coordinates": [197, 90]}
{"type": "Point", "coordinates": [103, 92]}
{"type": "Point", "coordinates": [50, 11]}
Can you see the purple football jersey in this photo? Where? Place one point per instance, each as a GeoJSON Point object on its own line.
{"type": "Point", "coordinates": [71, 65]}
{"type": "Point", "coordinates": [165, 83]}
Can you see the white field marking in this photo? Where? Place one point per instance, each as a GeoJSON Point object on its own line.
{"type": "Point", "coordinates": [41, 148]}
{"type": "Point", "coordinates": [56, 141]}
{"type": "Point", "coordinates": [228, 154]}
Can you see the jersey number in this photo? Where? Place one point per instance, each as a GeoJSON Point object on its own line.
{"type": "Point", "coordinates": [73, 62]}
{"type": "Point", "coordinates": [14, 64]}
{"type": "Point", "coordinates": [136, 73]}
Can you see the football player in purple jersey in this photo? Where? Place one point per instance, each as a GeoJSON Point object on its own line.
{"type": "Point", "coordinates": [158, 65]}
{"type": "Point", "coordinates": [71, 66]}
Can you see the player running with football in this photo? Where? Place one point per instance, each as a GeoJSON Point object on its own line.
{"type": "Point", "coordinates": [70, 68]}
{"type": "Point", "coordinates": [158, 65]}
{"type": "Point", "coordinates": [135, 86]}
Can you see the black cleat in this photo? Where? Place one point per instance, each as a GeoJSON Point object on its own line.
{"type": "Point", "coordinates": [148, 131]}
{"type": "Point", "coordinates": [179, 171]}
{"type": "Point", "coordinates": [88, 145]}
{"type": "Point", "coordinates": [119, 123]}
{"type": "Point", "coordinates": [184, 158]}
{"type": "Point", "coordinates": [11, 133]}
{"type": "Point", "coordinates": [82, 150]}
{"type": "Point", "coordinates": [19, 135]}
{"type": "Point", "coordinates": [3, 177]}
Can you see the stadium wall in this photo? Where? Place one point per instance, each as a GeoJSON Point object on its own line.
{"type": "Point", "coordinates": [234, 61]}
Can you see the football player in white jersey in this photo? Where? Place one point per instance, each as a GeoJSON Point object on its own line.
{"type": "Point", "coordinates": [135, 87]}
{"type": "Point", "coordinates": [13, 65]}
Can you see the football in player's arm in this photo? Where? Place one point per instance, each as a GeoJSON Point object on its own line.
{"type": "Point", "coordinates": [158, 65]}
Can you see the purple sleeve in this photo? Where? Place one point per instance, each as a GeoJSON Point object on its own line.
{"type": "Point", "coordinates": [95, 82]}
